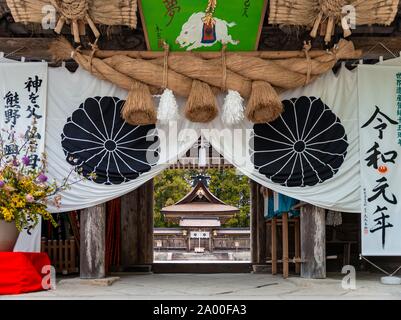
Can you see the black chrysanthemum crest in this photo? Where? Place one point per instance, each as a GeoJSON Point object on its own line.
{"type": "Point", "coordinates": [305, 146]}
{"type": "Point", "coordinates": [100, 143]}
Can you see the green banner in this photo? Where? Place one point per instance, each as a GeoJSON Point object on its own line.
{"type": "Point", "coordinates": [237, 23]}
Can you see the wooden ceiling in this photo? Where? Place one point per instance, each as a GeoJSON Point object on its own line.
{"type": "Point", "coordinates": [32, 41]}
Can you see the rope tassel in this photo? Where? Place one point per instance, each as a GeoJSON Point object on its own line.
{"type": "Point", "coordinates": [264, 104]}
{"type": "Point", "coordinates": [139, 108]}
{"type": "Point", "coordinates": [201, 105]}
{"type": "Point", "coordinates": [168, 107]}
{"type": "Point", "coordinates": [233, 108]}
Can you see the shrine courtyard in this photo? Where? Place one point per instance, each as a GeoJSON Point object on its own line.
{"type": "Point", "coordinates": [217, 287]}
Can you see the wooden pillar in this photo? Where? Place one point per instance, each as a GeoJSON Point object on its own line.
{"type": "Point", "coordinates": [313, 242]}
{"type": "Point", "coordinates": [261, 240]}
{"type": "Point", "coordinates": [254, 222]}
{"type": "Point", "coordinates": [137, 227]}
{"type": "Point", "coordinates": [297, 246]}
{"type": "Point", "coordinates": [93, 242]}
{"type": "Point", "coordinates": [129, 222]}
{"type": "Point", "coordinates": [274, 245]}
{"type": "Point", "coordinates": [284, 225]}
{"type": "Point", "coordinates": [145, 223]}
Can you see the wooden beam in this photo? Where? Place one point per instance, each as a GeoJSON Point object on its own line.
{"type": "Point", "coordinates": [32, 48]}
{"type": "Point", "coordinates": [313, 242]}
{"type": "Point", "coordinates": [93, 242]}
{"type": "Point", "coordinates": [373, 47]}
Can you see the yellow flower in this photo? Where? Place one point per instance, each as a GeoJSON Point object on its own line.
{"type": "Point", "coordinates": [7, 214]}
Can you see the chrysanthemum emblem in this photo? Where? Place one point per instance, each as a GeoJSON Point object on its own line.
{"type": "Point", "coordinates": [100, 143]}
{"type": "Point", "coordinates": [305, 146]}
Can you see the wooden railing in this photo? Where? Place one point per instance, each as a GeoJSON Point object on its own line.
{"type": "Point", "coordinates": [62, 254]}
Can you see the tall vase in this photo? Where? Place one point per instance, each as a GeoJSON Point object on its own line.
{"type": "Point", "coordinates": [8, 236]}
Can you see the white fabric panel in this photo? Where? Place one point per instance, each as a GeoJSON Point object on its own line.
{"type": "Point", "coordinates": [66, 92]}
{"type": "Point", "coordinates": [341, 192]}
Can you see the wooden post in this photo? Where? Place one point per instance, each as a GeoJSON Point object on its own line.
{"type": "Point", "coordinates": [145, 223]}
{"type": "Point", "coordinates": [129, 221]}
{"type": "Point", "coordinates": [93, 242]}
{"type": "Point", "coordinates": [274, 245]}
{"type": "Point", "coordinates": [313, 242]}
{"type": "Point", "coordinates": [261, 224]}
{"type": "Point", "coordinates": [137, 227]}
{"type": "Point", "coordinates": [284, 225]}
{"type": "Point", "coordinates": [254, 222]}
{"type": "Point", "coordinates": [297, 245]}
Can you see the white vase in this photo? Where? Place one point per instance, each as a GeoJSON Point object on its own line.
{"type": "Point", "coordinates": [8, 236]}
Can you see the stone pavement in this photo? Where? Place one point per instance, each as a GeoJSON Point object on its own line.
{"type": "Point", "coordinates": [219, 286]}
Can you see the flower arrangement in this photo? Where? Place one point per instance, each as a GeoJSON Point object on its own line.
{"type": "Point", "coordinates": [25, 190]}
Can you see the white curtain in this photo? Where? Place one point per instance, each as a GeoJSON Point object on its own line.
{"type": "Point", "coordinates": [67, 91]}
{"type": "Point", "coordinates": [341, 192]}
{"type": "Point", "coordinates": [331, 101]}
{"type": "Point", "coordinates": [338, 190]}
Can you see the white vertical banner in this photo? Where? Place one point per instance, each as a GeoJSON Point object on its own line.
{"type": "Point", "coordinates": [379, 91]}
{"type": "Point", "coordinates": [23, 97]}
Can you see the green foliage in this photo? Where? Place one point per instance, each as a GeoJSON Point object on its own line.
{"type": "Point", "coordinates": [227, 185]}
{"type": "Point", "coordinates": [170, 186]}
{"type": "Point", "coordinates": [233, 189]}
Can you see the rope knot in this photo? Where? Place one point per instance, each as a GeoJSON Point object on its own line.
{"type": "Point", "coordinates": [75, 51]}
{"type": "Point", "coordinates": [71, 9]}
{"type": "Point", "coordinates": [332, 8]}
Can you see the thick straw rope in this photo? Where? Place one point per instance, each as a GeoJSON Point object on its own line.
{"type": "Point", "coordinates": [232, 71]}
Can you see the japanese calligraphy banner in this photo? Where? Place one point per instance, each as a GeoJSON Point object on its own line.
{"type": "Point", "coordinates": [23, 90]}
{"type": "Point", "coordinates": [23, 93]}
{"type": "Point", "coordinates": [379, 90]}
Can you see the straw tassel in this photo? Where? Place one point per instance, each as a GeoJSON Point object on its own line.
{"type": "Point", "coordinates": [168, 107]}
{"type": "Point", "coordinates": [139, 108]}
{"type": "Point", "coordinates": [233, 108]}
{"type": "Point", "coordinates": [329, 30]}
{"type": "Point", "coordinates": [201, 105]}
{"type": "Point", "coordinates": [264, 105]}
{"type": "Point", "coordinates": [316, 25]}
